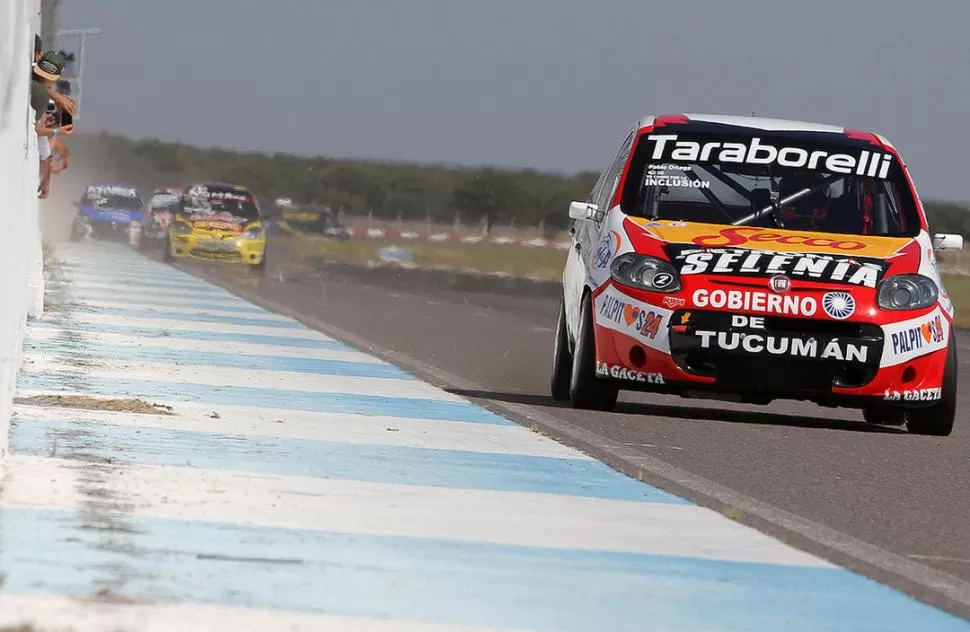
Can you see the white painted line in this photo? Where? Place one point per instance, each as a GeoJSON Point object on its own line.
{"type": "Point", "coordinates": [49, 612]}
{"type": "Point", "coordinates": [163, 308]}
{"type": "Point", "coordinates": [942, 558]}
{"type": "Point", "coordinates": [108, 265]}
{"type": "Point", "coordinates": [112, 272]}
{"type": "Point", "coordinates": [334, 427]}
{"type": "Point", "coordinates": [146, 294]}
{"type": "Point", "coordinates": [216, 376]}
{"type": "Point", "coordinates": [49, 334]}
{"type": "Point", "coordinates": [511, 518]}
{"type": "Point", "coordinates": [101, 287]}
{"type": "Point", "coordinates": [136, 299]}
{"type": "Point", "coordinates": [303, 333]}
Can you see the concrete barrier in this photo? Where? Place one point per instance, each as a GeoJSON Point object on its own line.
{"type": "Point", "coordinates": [21, 264]}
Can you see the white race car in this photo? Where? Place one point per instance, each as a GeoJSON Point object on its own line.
{"type": "Point", "coordinates": [758, 259]}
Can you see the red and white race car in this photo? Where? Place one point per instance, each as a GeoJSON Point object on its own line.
{"type": "Point", "coordinates": [758, 259]}
{"type": "Point", "coordinates": [154, 228]}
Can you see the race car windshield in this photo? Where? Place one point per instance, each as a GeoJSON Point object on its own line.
{"type": "Point", "coordinates": [113, 201]}
{"type": "Point", "coordinates": [771, 182]}
{"type": "Point", "coordinates": [164, 202]}
{"type": "Point", "coordinates": [239, 204]}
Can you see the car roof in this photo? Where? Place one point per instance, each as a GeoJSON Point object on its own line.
{"type": "Point", "coordinates": [740, 124]}
{"type": "Point", "coordinates": [123, 185]}
{"type": "Point", "coordinates": [221, 185]}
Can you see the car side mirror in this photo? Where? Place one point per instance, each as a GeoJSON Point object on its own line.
{"type": "Point", "coordinates": [583, 211]}
{"type": "Point", "coordinates": [945, 241]}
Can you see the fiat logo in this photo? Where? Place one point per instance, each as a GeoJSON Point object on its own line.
{"type": "Point", "coordinates": [780, 283]}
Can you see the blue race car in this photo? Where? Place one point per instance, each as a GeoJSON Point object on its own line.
{"type": "Point", "coordinates": [108, 211]}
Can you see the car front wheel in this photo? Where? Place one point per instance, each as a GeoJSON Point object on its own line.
{"type": "Point", "coordinates": [562, 359]}
{"type": "Point", "coordinates": [937, 420]}
{"type": "Point", "coordinates": [586, 390]}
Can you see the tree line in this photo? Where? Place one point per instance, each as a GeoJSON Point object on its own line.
{"type": "Point", "coordinates": [388, 190]}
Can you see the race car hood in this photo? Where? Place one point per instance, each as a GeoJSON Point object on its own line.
{"type": "Point", "coordinates": [749, 260]}
{"type": "Point", "coordinates": [296, 214]}
{"type": "Point", "coordinates": [765, 239]}
{"type": "Point", "coordinates": [723, 250]}
{"type": "Point", "coordinates": [217, 223]}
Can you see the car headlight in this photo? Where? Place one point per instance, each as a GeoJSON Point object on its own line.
{"type": "Point", "coordinates": [645, 272]}
{"type": "Point", "coordinates": [907, 291]}
{"type": "Point", "coordinates": [182, 228]}
{"type": "Point", "coordinates": [253, 233]}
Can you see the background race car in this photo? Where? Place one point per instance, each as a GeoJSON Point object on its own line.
{"type": "Point", "coordinates": [217, 222]}
{"type": "Point", "coordinates": [107, 211]}
{"type": "Point", "coordinates": [154, 226]}
{"type": "Point", "coordinates": [309, 218]}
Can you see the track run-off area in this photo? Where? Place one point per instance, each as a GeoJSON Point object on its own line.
{"type": "Point", "coordinates": [333, 453]}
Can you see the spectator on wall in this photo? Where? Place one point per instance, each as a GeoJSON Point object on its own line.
{"type": "Point", "coordinates": [61, 154]}
{"type": "Point", "coordinates": [46, 102]}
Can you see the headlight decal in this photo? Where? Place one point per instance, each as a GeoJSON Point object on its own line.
{"type": "Point", "coordinates": [253, 233]}
{"type": "Point", "coordinates": [182, 228]}
{"type": "Point", "coordinates": [907, 292]}
{"type": "Point", "coordinates": [645, 272]}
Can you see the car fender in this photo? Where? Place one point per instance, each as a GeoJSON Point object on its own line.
{"type": "Point", "coordinates": [573, 285]}
{"type": "Point", "coordinates": [928, 267]}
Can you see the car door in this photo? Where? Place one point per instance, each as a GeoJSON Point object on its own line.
{"type": "Point", "coordinates": [586, 234]}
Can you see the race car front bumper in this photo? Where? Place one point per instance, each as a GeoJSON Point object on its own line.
{"type": "Point", "coordinates": [710, 353]}
{"type": "Point", "coordinates": [232, 249]}
{"type": "Point", "coordinates": [115, 228]}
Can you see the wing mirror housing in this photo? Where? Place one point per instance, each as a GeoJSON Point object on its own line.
{"type": "Point", "coordinates": [947, 241]}
{"type": "Point", "coordinates": [583, 211]}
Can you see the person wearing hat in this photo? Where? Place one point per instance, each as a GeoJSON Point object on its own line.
{"type": "Point", "coordinates": [45, 100]}
{"type": "Point", "coordinates": [46, 73]}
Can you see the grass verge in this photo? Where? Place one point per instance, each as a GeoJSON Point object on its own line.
{"type": "Point", "coordinates": [519, 261]}
{"type": "Point", "coordinates": [958, 286]}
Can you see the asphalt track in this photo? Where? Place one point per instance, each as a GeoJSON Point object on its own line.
{"type": "Point", "coordinates": [877, 500]}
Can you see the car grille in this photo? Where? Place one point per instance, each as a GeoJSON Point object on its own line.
{"type": "Point", "coordinates": [776, 373]}
{"type": "Point", "coordinates": [216, 256]}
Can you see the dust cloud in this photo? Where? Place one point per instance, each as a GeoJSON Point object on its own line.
{"type": "Point", "coordinates": [57, 211]}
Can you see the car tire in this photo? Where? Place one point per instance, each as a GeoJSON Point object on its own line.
{"type": "Point", "coordinates": [586, 390]}
{"type": "Point", "coordinates": [77, 232]}
{"type": "Point", "coordinates": [562, 358]}
{"type": "Point", "coordinates": [937, 420]}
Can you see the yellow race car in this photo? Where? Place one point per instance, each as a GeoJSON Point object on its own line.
{"type": "Point", "coordinates": [217, 222]}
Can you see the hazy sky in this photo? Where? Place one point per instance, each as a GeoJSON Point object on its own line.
{"type": "Point", "coordinates": [550, 84]}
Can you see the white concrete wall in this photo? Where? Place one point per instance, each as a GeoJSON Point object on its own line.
{"type": "Point", "coordinates": [21, 271]}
